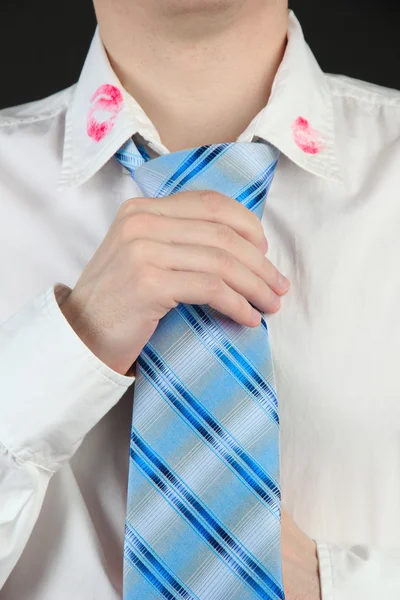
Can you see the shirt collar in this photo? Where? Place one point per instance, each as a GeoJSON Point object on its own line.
{"type": "Point", "coordinates": [298, 118]}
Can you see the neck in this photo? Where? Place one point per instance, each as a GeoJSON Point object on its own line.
{"type": "Point", "coordinates": [200, 78]}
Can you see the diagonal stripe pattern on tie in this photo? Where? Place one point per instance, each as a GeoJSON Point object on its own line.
{"type": "Point", "coordinates": [203, 507]}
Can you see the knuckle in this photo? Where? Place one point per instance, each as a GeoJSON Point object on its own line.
{"type": "Point", "coordinates": [127, 206]}
{"type": "Point", "coordinates": [224, 234]}
{"type": "Point", "coordinates": [258, 227]}
{"type": "Point", "coordinates": [211, 284]}
{"type": "Point", "coordinates": [125, 228]}
{"type": "Point", "coordinates": [223, 260]}
{"type": "Point", "coordinates": [135, 225]}
{"type": "Point", "coordinates": [212, 201]}
{"type": "Point", "coordinates": [143, 222]}
{"type": "Point", "coordinates": [139, 250]}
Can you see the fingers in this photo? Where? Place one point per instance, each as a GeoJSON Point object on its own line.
{"type": "Point", "coordinates": [203, 205]}
{"type": "Point", "coordinates": [208, 234]}
{"type": "Point", "coordinates": [204, 288]}
{"type": "Point", "coordinates": [215, 261]}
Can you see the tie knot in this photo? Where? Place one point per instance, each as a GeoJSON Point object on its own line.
{"type": "Point", "coordinates": [243, 171]}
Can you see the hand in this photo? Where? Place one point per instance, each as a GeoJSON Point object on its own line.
{"type": "Point", "coordinates": [194, 248]}
{"type": "Point", "coordinates": [299, 561]}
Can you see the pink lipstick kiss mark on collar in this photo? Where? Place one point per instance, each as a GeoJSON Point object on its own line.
{"type": "Point", "coordinates": [306, 138]}
{"type": "Point", "coordinates": [108, 100]}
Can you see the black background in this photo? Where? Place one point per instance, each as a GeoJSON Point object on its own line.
{"type": "Point", "coordinates": [43, 43]}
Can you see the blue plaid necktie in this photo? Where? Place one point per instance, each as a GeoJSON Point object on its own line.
{"type": "Point", "coordinates": [203, 510]}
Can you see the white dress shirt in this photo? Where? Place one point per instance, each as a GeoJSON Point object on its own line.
{"type": "Point", "coordinates": [332, 220]}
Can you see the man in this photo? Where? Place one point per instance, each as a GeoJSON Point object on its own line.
{"type": "Point", "coordinates": [90, 267]}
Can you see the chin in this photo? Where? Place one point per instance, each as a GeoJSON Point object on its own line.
{"type": "Point", "coordinates": [183, 7]}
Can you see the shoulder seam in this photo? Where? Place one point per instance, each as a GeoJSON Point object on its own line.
{"type": "Point", "coordinates": [9, 121]}
{"type": "Point", "coordinates": [376, 97]}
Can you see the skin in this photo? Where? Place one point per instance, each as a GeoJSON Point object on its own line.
{"type": "Point", "coordinates": [195, 248]}
{"type": "Point", "coordinates": [193, 50]}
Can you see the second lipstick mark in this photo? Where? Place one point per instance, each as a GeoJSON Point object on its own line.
{"type": "Point", "coordinates": [305, 137]}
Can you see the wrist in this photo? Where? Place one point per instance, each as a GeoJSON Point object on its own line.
{"type": "Point", "coordinates": [81, 323]}
{"type": "Point", "coordinates": [93, 337]}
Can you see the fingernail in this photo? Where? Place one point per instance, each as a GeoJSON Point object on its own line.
{"type": "Point", "coordinates": [283, 283]}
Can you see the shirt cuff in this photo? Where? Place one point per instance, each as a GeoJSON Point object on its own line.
{"type": "Point", "coordinates": [54, 390]}
{"type": "Point", "coordinates": [325, 571]}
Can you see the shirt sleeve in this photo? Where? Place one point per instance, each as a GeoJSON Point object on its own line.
{"type": "Point", "coordinates": [53, 390]}
{"type": "Point", "coordinates": [358, 572]}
